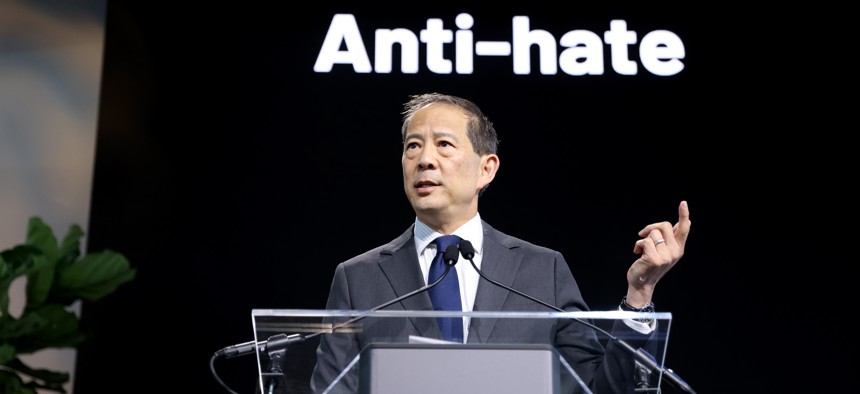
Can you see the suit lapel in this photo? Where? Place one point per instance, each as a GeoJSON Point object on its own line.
{"type": "Point", "coordinates": [399, 263]}
{"type": "Point", "coordinates": [500, 263]}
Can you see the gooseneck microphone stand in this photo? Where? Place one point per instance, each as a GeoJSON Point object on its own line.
{"type": "Point", "coordinates": [273, 377]}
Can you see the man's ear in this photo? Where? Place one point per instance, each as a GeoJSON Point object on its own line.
{"type": "Point", "coordinates": [487, 170]}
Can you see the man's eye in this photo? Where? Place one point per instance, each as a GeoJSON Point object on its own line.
{"type": "Point", "coordinates": [411, 145]}
{"type": "Point", "coordinates": [445, 143]}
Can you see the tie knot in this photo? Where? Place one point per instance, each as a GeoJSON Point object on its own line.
{"type": "Point", "coordinates": [443, 242]}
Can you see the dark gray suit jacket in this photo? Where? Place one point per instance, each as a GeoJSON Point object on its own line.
{"type": "Point", "coordinates": [392, 270]}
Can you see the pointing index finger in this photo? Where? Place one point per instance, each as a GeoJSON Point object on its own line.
{"type": "Point", "coordinates": [682, 228]}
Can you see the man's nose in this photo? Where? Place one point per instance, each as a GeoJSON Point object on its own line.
{"type": "Point", "coordinates": [427, 159]}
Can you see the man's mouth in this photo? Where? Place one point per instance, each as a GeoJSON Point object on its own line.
{"type": "Point", "coordinates": [425, 184]}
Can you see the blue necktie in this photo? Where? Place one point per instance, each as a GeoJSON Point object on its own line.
{"type": "Point", "coordinates": [446, 295]}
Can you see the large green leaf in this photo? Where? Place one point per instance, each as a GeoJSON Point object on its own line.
{"type": "Point", "coordinates": [18, 261]}
{"type": "Point", "coordinates": [28, 324]}
{"type": "Point", "coordinates": [7, 353]}
{"type": "Point", "coordinates": [50, 326]}
{"type": "Point", "coordinates": [42, 236]}
{"type": "Point", "coordinates": [39, 282]}
{"type": "Point", "coordinates": [5, 270]}
{"type": "Point", "coordinates": [70, 248]}
{"type": "Point", "coordinates": [72, 240]}
{"type": "Point", "coordinates": [95, 275]}
{"type": "Point", "coordinates": [6, 279]}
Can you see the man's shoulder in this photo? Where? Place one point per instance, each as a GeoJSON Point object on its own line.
{"type": "Point", "coordinates": [491, 234]}
{"type": "Point", "coordinates": [374, 255]}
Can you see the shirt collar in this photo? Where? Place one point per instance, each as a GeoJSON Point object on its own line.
{"type": "Point", "coordinates": [473, 231]}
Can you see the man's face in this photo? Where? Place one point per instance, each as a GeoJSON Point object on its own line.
{"type": "Point", "coordinates": [442, 174]}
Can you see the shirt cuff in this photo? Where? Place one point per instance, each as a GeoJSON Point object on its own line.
{"type": "Point", "coordinates": [642, 328]}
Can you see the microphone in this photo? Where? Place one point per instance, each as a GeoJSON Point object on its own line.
{"type": "Point", "coordinates": [274, 342]}
{"type": "Point", "coordinates": [281, 341]}
{"type": "Point", "coordinates": [641, 356]}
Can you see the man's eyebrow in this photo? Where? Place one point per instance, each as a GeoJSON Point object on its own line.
{"type": "Point", "coordinates": [436, 134]}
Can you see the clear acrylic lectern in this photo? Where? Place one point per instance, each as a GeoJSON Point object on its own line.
{"type": "Point", "coordinates": [396, 352]}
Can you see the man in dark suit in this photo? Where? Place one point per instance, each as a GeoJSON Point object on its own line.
{"type": "Point", "coordinates": [449, 158]}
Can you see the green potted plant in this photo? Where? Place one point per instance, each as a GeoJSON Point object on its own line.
{"type": "Point", "coordinates": [57, 276]}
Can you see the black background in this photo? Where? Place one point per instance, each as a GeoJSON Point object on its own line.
{"type": "Point", "coordinates": [233, 177]}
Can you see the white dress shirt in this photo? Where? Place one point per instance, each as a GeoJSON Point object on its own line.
{"type": "Point", "coordinates": [472, 231]}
